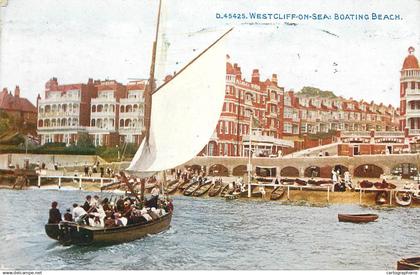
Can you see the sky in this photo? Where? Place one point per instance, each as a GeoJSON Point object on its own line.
{"type": "Point", "coordinates": [105, 39]}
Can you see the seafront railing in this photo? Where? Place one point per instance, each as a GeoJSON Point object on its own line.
{"type": "Point", "coordinates": [76, 179]}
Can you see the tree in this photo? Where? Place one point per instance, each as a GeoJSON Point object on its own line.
{"type": "Point", "coordinates": [85, 141]}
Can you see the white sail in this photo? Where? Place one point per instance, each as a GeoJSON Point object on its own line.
{"type": "Point", "coordinates": [185, 112]}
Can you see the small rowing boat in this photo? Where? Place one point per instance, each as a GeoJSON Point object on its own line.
{"type": "Point", "coordinates": [277, 193]}
{"type": "Point", "coordinates": [172, 187]}
{"type": "Point", "coordinates": [215, 189]}
{"type": "Point", "coordinates": [204, 188]}
{"type": "Point", "coordinates": [183, 185]}
{"type": "Point", "coordinates": [227, 190]}
{"type": "Point", "coordinates": [403, 198]}
{"type": "Point", "coordinates": [365, 184]}
{"type": "Point", "coordinates": [300, 182]}
{"type": "Point", "coordinates": [191, 188]}
{"type": "Point", "coordinates": [357, 218]}
{"type": "Point", "coordinates": [409, 264]}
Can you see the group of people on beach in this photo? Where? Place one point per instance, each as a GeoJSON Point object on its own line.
{"type": "Point", "coordinates": [106, 213]}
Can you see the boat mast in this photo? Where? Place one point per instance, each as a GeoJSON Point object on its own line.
{"type": "Point", "coordinates": [151, 85]}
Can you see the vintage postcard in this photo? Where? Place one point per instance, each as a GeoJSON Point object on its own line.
{"type": "Point", "coordinates": [140, 135]}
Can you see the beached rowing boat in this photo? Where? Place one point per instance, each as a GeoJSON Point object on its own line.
{"type": "Point", "coordinates": [172, 187]}
{"type": "Point", "coordinates": [204, 188]}
{"type": "Point", "coordinates": [403, 198]}
{"type": "Point", "coordinates": [277, 193]}
{"type": "Point", "coordinates": [357, 218]}
{"type": "Point", "coordinates": [215, 189]}
{"type": "Point", "coordinates": [191, 188]}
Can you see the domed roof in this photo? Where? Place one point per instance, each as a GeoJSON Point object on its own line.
{"type": "Point", "coordinates": [410, 62]}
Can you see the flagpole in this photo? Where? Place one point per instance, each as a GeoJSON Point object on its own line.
{"type": "Point", "coordinates": [249, 155]}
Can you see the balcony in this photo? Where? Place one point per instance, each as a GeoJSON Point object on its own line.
{"type": "Point", "coordinates": [94, 129]}
{"type": "Point", "coordinates": [102, 115]}
{"type": "Point", "coordinates": [389, 134]}
{"type": "Point", "coordinates": [132, 115]}
{"type": "Point", "coordinates": [103, 100]}
{"type": "Point", "coordinates": [413, 112]}
{"type": "Point", "coordinates": [58, 127]}
{"type": "Point", "coordinates": [355, 134]}
{"type": "Point", "coordinates": [59, 100]}
{"type": "Point", "coordinates": [130, 130]}
{"type": "Point", "coordinates": [132, 100]}
{"type": "Point", "coordinates": [414, 132]}
{"type": "Point", "coordinates": [58, 114]}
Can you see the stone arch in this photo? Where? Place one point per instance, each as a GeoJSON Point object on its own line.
{"type": "Point", "coordinates": [368, 171]}
{"type": "Point", "coordinates": [405, 170]}
{"type": "Point", "coordinates": [128, 108]}
{"type": "Point", "coordinates": [40, 123]}
{"type": "Point", "coordinates": [99, 108]}
{"type": "Point", "coordinates": [194, 168]}
{"type": "Point", "coordinates": [325, 171]}
{"type": "Point", "coordinates": [122, 109]}
{"type": "Point", "coordinates": [92, 123]}
{"type": "Point", "coordinates": [312, 171]}
{"type": "Point", "coordinates": [135, 108]}
{"type": "Point", "coordinates": [265, 171]}
{"type": "Point", "coordinates": [218, 170]}
{"type": "Point", "coordinates": [47, 108]}
{"type": "Point", "coordinates": [239, 170]}
{"type": "Point", "coordinates": [289, 171]}
{"type": "Point", "coordinates": [53, 122]}
{"type": "Point", "coordinates": [121, 122]}
{"type": "Point", "coordinates": [47, 123]}
{"type": "Point", "coordinates": [63, 122]}
{"type": "Point", "coordinates": [93, 108]}
{"type": "Point", "coordinates": [65, 108]}
{"type": "Point", "coordinates": [127, 123]}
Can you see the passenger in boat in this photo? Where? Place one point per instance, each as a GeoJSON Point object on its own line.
{"type": "Point", "coordinates": [86, 205]}
{"type": "Point", "coordinates": [79, 214]}
{"type": "Point", "coordinates": [120, 205]}
{"type": "Point", "coordinates": [67, 216]}
{"type": "Point", "coordinates": [120, 220]}
{"type": "Point", "coordinates": [146, 215]}
{"type": "Point", "coordinates": [153, 213]}
{"type": "Point", "coordinates": [55, 215]}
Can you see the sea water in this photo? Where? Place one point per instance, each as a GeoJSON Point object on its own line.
{"type": "Point", "coordinates": [212, 233]}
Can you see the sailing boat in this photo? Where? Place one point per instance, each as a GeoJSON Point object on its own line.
{"type": "Point", "coordinates": [180, 117]}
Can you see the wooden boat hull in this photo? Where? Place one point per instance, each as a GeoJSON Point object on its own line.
{"type": "Point", "coordinates": [215, 190]}
{"type": "Point", "coordinates": [403, 198]}
{"type": "Point", "coordinates": [191, 188]}
{"type": "Point", "coordinates": [204, 188]}
{"type": "Point", "coordinates": [409, 264]}
{"type": "Point", "coordinates": [70, 233]}
{"type": "Point", "coordinates": [226, 191]}
{"type": "Point", "coordinates": [172, 187]}
{"type": "Point", "coordinates": [277, 193]}
{"type": "Point", "coordinates": [357, 218]}
{"type": "Point", "coordinates": [366, 184]}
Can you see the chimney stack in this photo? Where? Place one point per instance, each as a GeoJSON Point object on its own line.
{"type": "Point", "coordinates": [17, 91]}
{"type": "Point", "coordinates": [274, 79]}
{"type": "Point", "coordinates": [255, 77]}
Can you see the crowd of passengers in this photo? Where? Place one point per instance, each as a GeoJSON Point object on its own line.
{"type": "Point", "coordinates": [106, 213]}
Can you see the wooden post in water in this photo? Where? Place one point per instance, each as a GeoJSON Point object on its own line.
{"type": "Point", "coordinates": [39, 181]}
{"type": "Point", "coordinates": [249, 189]}
{"type": "Point", "coordinates": [80, 183]}
{"type": "Point", "coordinates": [390, 197]}
{"type": "Point", "coordinates": [360, 196]}
{"type": "Point", "coordinates": [288, 192]}
{"type": "Point", "coordinates": [328, 193]}
{"type": "Point", "coordinates": [102, 183]}
{"type": "Point", "coordinates": [59, 182]}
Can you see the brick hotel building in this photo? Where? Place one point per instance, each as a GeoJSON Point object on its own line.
{"type": "Point", "coordinates": [283, 121]}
